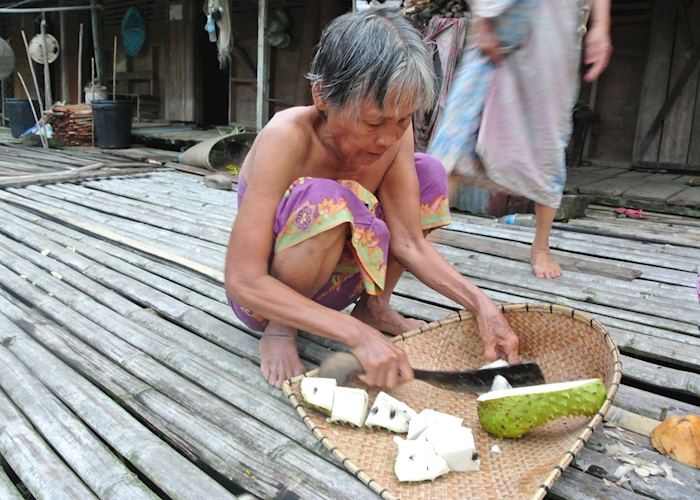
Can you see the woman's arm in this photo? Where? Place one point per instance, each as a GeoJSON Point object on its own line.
{"type": "Point", "coordinates": [399, 195]}
{"type": "Point", "coordinates": [250, 284]}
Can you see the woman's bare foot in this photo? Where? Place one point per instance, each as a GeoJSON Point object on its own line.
{"type": "Point", "coordinates": [279, 357]}
{"type": "Point", "coordinates": [543, 264]}
{"type": "Point", "coordinates": [378, 314]}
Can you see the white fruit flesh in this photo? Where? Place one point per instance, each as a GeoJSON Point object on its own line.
{"type": "Point", "coordinates": [389, 413]}
{"type": "Point", "coordinates": [417, 461]}
{"type": "Point", "coordinates": [426, 418]}
{"type": "Point", "coordinates": [349, 406]}
{"type": "Point", "coordinates": [318, 392]}
{"type": "Point", "coordinates": [455, 445]}
{"type": "Point", "coordinates": [499, 363]}
{"type": "Point", "coordinates": [534, 389]}
{"type": "Point", "coordinates": [500, 383]}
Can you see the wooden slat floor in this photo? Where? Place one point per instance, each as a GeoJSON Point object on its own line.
{"type": "Point", "coordinates": [123, 371]}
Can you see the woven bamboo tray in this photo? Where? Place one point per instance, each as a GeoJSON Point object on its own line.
{"type": "Point", "coordinates": [567, 344]}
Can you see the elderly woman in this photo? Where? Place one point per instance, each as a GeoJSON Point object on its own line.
{"type": "Point", "coordinates": [334, 204]}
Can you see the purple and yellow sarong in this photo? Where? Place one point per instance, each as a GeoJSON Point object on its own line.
{"type": "Point", "coordinates": [312, 205]}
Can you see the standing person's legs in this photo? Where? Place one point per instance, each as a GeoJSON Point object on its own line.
{"type": "Point", "coordinates": [543, 263]}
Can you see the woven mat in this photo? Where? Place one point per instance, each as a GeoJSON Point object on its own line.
{"type": "Point", "coordinates": [567, 344]}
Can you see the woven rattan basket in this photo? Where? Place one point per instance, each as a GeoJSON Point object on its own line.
{"type": "Point", "coordinates": [567, 344]}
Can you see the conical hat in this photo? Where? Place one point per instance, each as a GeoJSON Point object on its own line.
{"type": "Point", "coordinates": [36, 48]}
{"type": "Point", "coordinates": [7, 59]}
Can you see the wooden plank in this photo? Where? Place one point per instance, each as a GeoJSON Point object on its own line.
{"type": "Point", "coordinates": [514, 251]}
{"type": "Point", "coordinates": [652, 405]}
{"type": "Point", "coordinates": [88, 457]}
{"type": "Point", "coordinates": [656, 74]}
{"type": "Point", "coordinates": [603, 466]}
{"type": "Point", "coordinates": [32, 459]}
{"type": "Point", "coordinates": [7, 487]}
{"type": "Point", "coordinates": [574, 484]}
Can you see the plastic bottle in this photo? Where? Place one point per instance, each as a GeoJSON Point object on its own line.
{"type": "Point", "coordinates": [527, 220]}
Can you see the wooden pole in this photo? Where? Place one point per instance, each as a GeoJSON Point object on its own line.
{"type": "Point", "coordinates": [63, 63]}
{"type": "Point", "coordinates": [114, 71]}
{"type": "Point", "coordinates": [31, 67]}
{"type": "Point", "coordinates": [48, 99]}
{"type": "Point", "coordinates": [44, 141]}
{"type": "Point", "coordinates": [92, 97]}
{"type": "Point", "coordinates": [96, 37]}
{"type": "Point", "coordinates": [80, 65]}
{"type": "Point", "coordinates": [262, 88]}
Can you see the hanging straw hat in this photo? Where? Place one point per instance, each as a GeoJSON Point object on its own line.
{"type": "Point", "coordinates": [567, 344]}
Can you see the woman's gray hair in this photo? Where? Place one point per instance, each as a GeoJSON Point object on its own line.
{"type": "Point", "coordinates": [365, 55]}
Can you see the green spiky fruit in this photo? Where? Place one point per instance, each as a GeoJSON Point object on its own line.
{"type": "Point", "coordinates": [511, 413]}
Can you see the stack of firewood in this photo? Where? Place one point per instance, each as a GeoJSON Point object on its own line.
{"type": "Point", "coordinates": [72, 124]}
{"type": "Point", "coordinates": [421, 11]}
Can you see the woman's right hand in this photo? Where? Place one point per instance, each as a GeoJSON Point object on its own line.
{"type": "Point", "coordinates": [487, 41]}
{"type": "Point", "coordinates": [385, 364]}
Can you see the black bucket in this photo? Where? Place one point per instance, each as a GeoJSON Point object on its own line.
{"type": "Point", "coordinates": [19, 112]}
{"type": "Point", "coordinates": [112, 123]}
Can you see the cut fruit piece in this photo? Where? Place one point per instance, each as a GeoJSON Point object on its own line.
{"type": "Point", "coordinates": [500, 383]}
{"type": "Point", "coordinates": [512, 413]}
{"type": "Point", "coordinates": [455, 445]}
{"type": "Point", "coordinates": [389, 413]}
{"type": "Point", "coordinates": [426, 418]}
{"type": "Point", "coordinates": [318, 393]}
{"type": "Point", "coordinates": [349, 406]}
{"type": "Point", "coordinates": [417, 461]}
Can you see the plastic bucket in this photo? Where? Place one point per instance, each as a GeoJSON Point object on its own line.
{"type": "Point", "coordinates": [112, 123]}
{"type": "Point", "coordinates": [19, 112]}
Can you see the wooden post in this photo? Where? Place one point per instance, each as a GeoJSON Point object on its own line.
{"type": "Point", "coordinates": [96, 37]}
{"type": "Point", "coordinates": [64, 61]}
{"type": "Point", "coordinates": [48, 98]}
{"type": "Point", "coordinates": [80, 65]}
{"type": "Point", "coordinates": [114, 71]}
{"type": "Point", "coordinates": [263, 85]}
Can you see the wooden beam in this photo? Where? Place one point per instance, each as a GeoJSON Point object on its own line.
{"type": "Point", "coordinates": [263, 85]}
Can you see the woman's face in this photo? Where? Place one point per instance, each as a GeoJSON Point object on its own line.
{"type": "Point", "coordinates": [364, 137]}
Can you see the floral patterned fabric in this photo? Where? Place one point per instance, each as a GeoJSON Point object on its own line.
{"type": "Point", "coordinates": [311, 206]}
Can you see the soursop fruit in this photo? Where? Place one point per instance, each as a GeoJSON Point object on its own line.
{"type": "Point", "coordinates": [512, 413]}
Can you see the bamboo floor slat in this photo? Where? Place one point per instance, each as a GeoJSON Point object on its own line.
{"type": "Point", "coordinates": [115, 336]}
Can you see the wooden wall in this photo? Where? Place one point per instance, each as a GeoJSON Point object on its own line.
{"type": "Point", "coordinates": [616, 95]}
{"type": "Point", "coordinates": [288, 87]}
{"type": "Point", "coordinates": [674, 42]}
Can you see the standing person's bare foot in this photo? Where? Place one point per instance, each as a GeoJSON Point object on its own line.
{"type": "Point", "coordinates": [544, 265]}
{"type": "Point", "coordinates": [377, 313]}
{"type": "Point", "coordinates": [279, 357]}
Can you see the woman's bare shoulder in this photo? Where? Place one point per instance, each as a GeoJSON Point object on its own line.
{"type": "Point", "coordinates": [283, 143]}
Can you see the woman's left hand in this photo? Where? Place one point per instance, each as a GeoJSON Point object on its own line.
{"type": "Point", "coordinates": [598, 49]}
{"type": "Point", "coordinates": [500, 342]}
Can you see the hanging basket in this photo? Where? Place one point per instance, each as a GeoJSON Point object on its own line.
{"type": "Point", "coordinates": [567, 344]}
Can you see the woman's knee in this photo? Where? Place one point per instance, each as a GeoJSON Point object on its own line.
{"type": "Point", "coordinates": [432, 177]}
{"type": "Point", "coordinates": [309, 261]}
